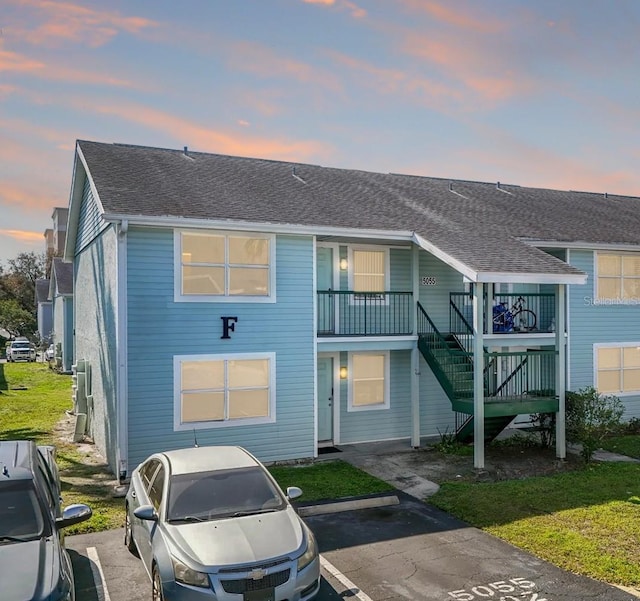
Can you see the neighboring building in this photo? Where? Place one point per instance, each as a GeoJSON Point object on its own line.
{"type": "Point", "coordinates": [61, 295]}
{"type": "Point", "coordinates": [284, 306]}
{"type": "Point", "coordinates": [44, 311]}
{"type": "Point", "coordinates": [56, 236]}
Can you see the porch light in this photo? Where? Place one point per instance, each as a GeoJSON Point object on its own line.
{"type": "Point", "coordinates": [343, 373]}
{"type": "Point", "coordinates": [343, 264]}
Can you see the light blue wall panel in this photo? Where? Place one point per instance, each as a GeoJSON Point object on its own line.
{"type": "Point", "coordinates": [159, 328]}
{"type": "Point", "coordinates": [95, 302]}
{"type": "Point", "coordinates": [592, 323]}
{"type": "Point", "coordinates": [400, 269]}
{"type": "Point", "coordinates": [384, 424]}
{"type": "Point", "coordinates": [436, 414]}
{"type": "Point", "coordinates": [435, 299]}
{"type": "Point", "coordinates": [90, 224]}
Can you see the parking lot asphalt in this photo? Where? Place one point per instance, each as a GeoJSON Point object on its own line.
{"type": "Point", "coordinates": [408, 551]}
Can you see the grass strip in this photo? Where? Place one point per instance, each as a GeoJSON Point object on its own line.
{"type": "Point", "coordinates": [586, 521]}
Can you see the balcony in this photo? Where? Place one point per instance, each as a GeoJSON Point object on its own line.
{"type": "Point", "coordinates": [349, 313]}
{"type": "Point", "coordinates": [513, 313]}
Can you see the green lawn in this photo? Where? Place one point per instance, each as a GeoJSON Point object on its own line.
{"type": "Point", "coordinates": [586, 521]}
{"type": "Point", "coordinates": [625, 445]}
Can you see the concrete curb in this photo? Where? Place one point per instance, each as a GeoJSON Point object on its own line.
{"type": "Point", "coordinates": [348, 505]}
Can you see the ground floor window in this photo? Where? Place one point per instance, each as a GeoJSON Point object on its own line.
{"type": "Point", "coordinates": [617, 368]}
{"type": "Point", "coordinates": [223, 390]}
{"type": "Point", "coordinates": [368, 375]}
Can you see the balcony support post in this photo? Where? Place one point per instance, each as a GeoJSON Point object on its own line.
{"type": "Point", "coordinates": [478, 374]}
{"type": "Point", "coordinates": [415, 353]}
{"type": "Point", "coordinates": [561, 367]}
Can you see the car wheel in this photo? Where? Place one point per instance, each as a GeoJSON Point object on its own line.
{"type": "Point", "coordinates": [156, 585]}
{"type": "Point", "coordinates": [128, 534]}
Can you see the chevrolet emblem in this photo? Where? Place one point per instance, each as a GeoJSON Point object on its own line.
{"type": "Point", "coordinates": [257, 574]}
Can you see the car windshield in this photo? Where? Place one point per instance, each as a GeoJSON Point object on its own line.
{"type": "Point", "coordinates": [20, 513]}
{"type": "Point", "coordinates": [221, 494]}
{"type": "Point", "coordinates": [21, 345]}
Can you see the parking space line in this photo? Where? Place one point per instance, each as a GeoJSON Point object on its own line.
{"type": "Point", "coordinates": [98, 575]}
{"type": "Point", "coordinates": [353, 589]}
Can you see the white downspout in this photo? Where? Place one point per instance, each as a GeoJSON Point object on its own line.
{"type": "Point", "coordinates": [122, 406]}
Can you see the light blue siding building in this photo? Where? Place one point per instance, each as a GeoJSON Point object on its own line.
{"type": "Point", "coordinates": [292, 308]}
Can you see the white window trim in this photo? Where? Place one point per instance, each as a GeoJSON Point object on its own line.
{"type": "Point", "coordinates": [617, 345]}
{"type": "Point", "coordinates": [387, 382]}
{"type": "Point", "coordinates": [230, 423]}
{"type": "Point", "coordinates": [387, 271]}
{"type": "Point", "coordinates": [178, 297]}
{"type": "Point", "coordinates": [596, 278]}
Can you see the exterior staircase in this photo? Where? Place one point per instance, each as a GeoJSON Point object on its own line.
{"type": "Point", "coordinates": [452, 366]}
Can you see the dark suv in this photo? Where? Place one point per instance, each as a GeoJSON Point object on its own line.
{"type": "Point", "coordinates": [33, 561]}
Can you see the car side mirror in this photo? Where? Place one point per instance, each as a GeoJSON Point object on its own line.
{"type": "Point", "coordinates": [293, 492]}
{"type": "Point", "coordinates": [73, 514]}
{"type": "Point", "coordinates": [146, 512]}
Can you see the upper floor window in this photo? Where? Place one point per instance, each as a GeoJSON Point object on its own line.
{"type": "Point", "coordinates": [617, 368]}
{"type": "Point", "coordinates": [368, 381]}
{"type": "Point", "coordinates": [223, 266]}
{"type": "Point", "coordinates": [216, 390]}
{"type": "Point", "coordinates": [369, 270]}
{"type": "Point", "coordinates": [618, 276]}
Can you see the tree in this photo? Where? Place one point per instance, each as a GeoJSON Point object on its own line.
{"type": "Point", "coordinates": [16, 320]}
{"type": "Point", "coordinates": [19, 281]}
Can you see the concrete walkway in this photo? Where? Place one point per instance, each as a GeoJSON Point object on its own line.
{"type": "Point", "coordinates": [397, 463]}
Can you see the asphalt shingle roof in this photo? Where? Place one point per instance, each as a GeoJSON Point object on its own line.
{"type": "Point", "coordinates": [478, 224]}
{"type": "Point", "coordinates": [62, 274]}
{"type": "Point", "coordinates": [42, 290]}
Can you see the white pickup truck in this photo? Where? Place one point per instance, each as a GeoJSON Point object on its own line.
{"type": "Point", "coordinates": [21, 350]}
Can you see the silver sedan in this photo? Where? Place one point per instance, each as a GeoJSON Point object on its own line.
{"type": "Point", "coordinates": [210, 523]}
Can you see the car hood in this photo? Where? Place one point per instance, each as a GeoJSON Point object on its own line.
{"type": "Point", "coordinates": [31, 570]}
{"type": "Point", "coordinates": [239, 540]}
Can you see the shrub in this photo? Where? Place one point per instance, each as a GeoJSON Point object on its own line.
{"type": "Point", "coordinates": [591, 417]}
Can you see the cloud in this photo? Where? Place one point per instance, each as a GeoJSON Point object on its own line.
{"type": "Point", "coordinates": [68, 22]}
{"type": "Point", "coordinates": [415, 87]}
{"type": "Point", "coordinates": [23, 235]}
{"type": "Point", "coordinates": [27, 198]}
{"type": "Point", "coordinates": [207, 139]}
{"type": "Point", "coordinates": [532, 165]}
{"type": "Point", "coordinates": [264, 62]}
{"type": "Point", "coordinates": [12, 62]}
{"type": "Point", "coordinates": [355, 10]}
{"type": "Point", "coordinates": [460, 18]}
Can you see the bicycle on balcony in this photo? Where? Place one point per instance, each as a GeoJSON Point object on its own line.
{"type": "Point", "coordinates": [518, 318]}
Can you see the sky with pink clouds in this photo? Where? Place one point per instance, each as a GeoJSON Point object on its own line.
{"type": "Point", "coordinates": [541, 93]}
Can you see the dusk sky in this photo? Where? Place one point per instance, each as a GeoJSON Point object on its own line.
{"type": "Point", "coordinates": [543, 93]}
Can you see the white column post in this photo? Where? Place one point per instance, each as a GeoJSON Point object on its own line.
{"type": "Point", "coordinates": [478, 373]}
{"type": "Point", "coordinates": [561, 371]}
{"type": "Point", "coordinates": [415, 353]}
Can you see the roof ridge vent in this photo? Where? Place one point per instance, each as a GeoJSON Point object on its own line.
{"type": "Point", "coordinates": [456, 192]}
{"type": "Point", "coordinates": [498, 187]}
{"type": "Point", "coordinates": [606, 195]}
{"type": "Point", "coordinates": [294, 174]}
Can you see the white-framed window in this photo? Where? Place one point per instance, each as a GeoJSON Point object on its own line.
{"type": "Point", "coordinates": [369, 377]}
{"type": "Point", "coordinates": [617, 276]}
{"type": "Point", "coordinates": [224, 266]}
{"type": "Point", "coordinates": [617, 368]}
{"type": "Point", "coordinates": [212, 391]}
{"type": "Point", "coordinates": [368, 274]}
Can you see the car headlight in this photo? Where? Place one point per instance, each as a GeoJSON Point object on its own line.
{"type": "Point", "coordinates": [310, 553]}
{"type": "Point", "coordinates": [186, 575]}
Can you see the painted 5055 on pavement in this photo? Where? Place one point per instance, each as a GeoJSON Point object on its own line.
{"type": "Point", "coordinates": [210, 523]}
